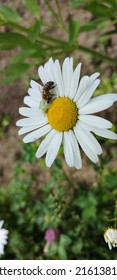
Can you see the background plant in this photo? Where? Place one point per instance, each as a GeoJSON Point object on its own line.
{"type": "Point", "coordinates": [34, 40]}
{"type": "Point", "coordinates": [79, 212]}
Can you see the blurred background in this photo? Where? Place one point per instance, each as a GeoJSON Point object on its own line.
{"type": "Point", "coordinates": [77, 205]}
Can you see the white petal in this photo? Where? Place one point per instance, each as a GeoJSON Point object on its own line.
{"type": "Point", "coordinates": [32, 121]}
{"type": "Point", "coordinates": [26, 112]}
{"type": "Point", "coordinates": [30, 102]}
{"type": "Point", "coordinates": [91, 141]}
{"type": "Point", "coordinates": [105, 133]}
{"type": "Point", "coordinates": [1, 223]}
{"type": "Point", "coordinates": [87, 94]}
{"type": "Point", "coordinates": [53, 75]}
{"type": "Point", "coordinates": [71, 64]}
{"type": "Point", "coordinates": [99, 103]}
{"type": "Point", "coordinates": [93, 156]}
{"type": "Point", "coordinates": [67, 72]}
{"type": "Point", "coordinates": [85, 125]}
{"type": "Point", "coordinates": [75, 81]}
{"type": "Point", "coordinates": [105, 97]}
{"type": "Point", "coordinates": [26, 129]}
{"type": "Point", "coordinates": [45, 144]}
{"type": "Point", "coordinates": [70, 74]}
{"type": "Point", "coordinates": [92, 78]}
{"type": "Point", "coordinates": [53, 148]}
{"type": "Point", "coordinates": [68, 151]}
{"type": "Point", "coordinates": [94, 107]}
{"type": "Point", "coordinates": [109, 245]}
{"type": "Point", "coordinates": [34, 85]}
{"type": "Point", "coordinates": [30, 112]}
{"type": "Point", "coordinates": [42, 75]}
{"type": "Point", "coordinates": [101, 132]}
{"type": "Point", "coordinates": [33, 136]}
{"type": "Point", "coordinates": [95, 121]}
{"type": "Point", "coordinates": [49, 73]}
{"type": "Point", "coordinates": [35, 94]}
{"type": "Point", "coordinates": [51, 64]}
{"type": "Point", "coordinates": [58, 78]}
{"type": "Point", "coordinates": [76, 151]}
{"type": "Point", "coordinates": [82, 87]}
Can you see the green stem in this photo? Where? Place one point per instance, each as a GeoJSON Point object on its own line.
{"type": "Point", "coordinates": [51, 10]}
{"type": "Point", "coordinates": [96, 54]}
{"type": "Point", "coordinates": [43, 36]}
{"type": "Point", "coordinates": [112, 32]}
{"type": "Point", "coordinates": [19, 27]}
{"type": "Point", "coordinates": [52, 39]}
{"type": "Point", "coordinates": [60, 16]}
{"type": "Point", "coordinates": [58, 54]}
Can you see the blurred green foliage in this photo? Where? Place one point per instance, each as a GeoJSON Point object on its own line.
{"type": "Point", "coordinates": [33, 38]}
{"type": "Point", "coordinates": [80, 213]}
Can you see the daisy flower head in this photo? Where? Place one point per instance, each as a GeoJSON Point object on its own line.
{"type": "Point", "coordinates": [3, 237]}
{"type": "Point", "coordinates": [62, 110]}
{"type": "Point", "coordinates": [110, 237]}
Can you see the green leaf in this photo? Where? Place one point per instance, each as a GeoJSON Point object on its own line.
{"type": "Point", "coordinates": [53, 249]}
{"type": "Point", "coordinates": [94, 3]}
{"type": "Point", "coordinates": [15, 71]}
{"type": "Point", "coordinates": [99, 9]}
{"type": "Point", "coordinates": [3, 19]}
{"type": "Point", "coordinates": [62, 253]}
{"type": "Point", "coordinates": [93, 24]}
{"type": "Point", "coordinates": [9, 40]}
{"type": "Point", "coordinates": [88, 207]}
{"type": "Point", "coordinates": [29, 152]}
{"type": "Point", "coordinates": [35, 31]}
{"type": "Point", "coordinates": [65, 240]}
{"type": "Point", "coordinates": [112, 3]}
{"type": "Point", "coordinates": [20, 57]}
{"type": "Point", "coordinates": [74, 26]}
{"type": "Point", "coordinates": [78, 246]}
{"type": "Point", "coordinates": [78, 3]}
{"type": "Point", "coordinates": [35, 50]}
{"type": "Point", "coordinates": [9, 14]}
{"type": "Point", "coordinates": [33, 7]}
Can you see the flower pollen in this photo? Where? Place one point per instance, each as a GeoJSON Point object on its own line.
{"type": "Point", "coordinates": [62, 114]}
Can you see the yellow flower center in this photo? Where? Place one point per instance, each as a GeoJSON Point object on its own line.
{"type": "Point", "coordinates": [62, 114]}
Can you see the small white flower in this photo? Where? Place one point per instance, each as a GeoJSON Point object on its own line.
{"type": "Point", "coordinates": [3, 237]}
{"type": "Point", "coordinates": [69, 118]}
{"type": "Point", "coordinates": [110, 237]}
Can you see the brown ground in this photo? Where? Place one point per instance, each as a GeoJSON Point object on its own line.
{"type": "Point", "coordinates": [11, 97]}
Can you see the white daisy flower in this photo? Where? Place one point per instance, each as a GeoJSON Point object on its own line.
{"type": "Point", "coordinates": [68, 116]}
{"type": "Point", "coordinates": [3, 237]}
{"type": "Point", "coordinates": [110, 236]}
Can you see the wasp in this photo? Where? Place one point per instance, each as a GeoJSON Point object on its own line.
{"type": "Point", "coordinates": [47, 95]}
